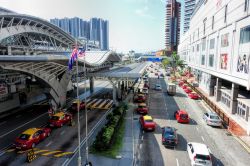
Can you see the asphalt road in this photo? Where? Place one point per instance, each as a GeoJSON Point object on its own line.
{"type": "Point", "coordinates": [225, 149]}
{"type": "Point", "coordinates": [61, 140]}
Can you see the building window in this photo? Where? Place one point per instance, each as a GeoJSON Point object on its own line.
{"type": "Point", "coordinates": [212, 22]}
{"type": "Point", "coordinates": [225, 16]}
{"type": "Point", "coordinates": [211, 60]}
{"type": "Point", "coordinates": [197, 47]}
{"type": "Point", "coordinates": [225, 99]}
{"type": "Point", "coordinates": [203, 44]}
{"type": "Point", "coordinates": [246, 5]}
{"type": "Point", "coordinates": [202, 59]}
{"type": "Point", "coordinates": [242, 109]}
{"type": "Point", "coordinates": [245, 35]}
{"type": "Point", "coordinates": [223, 61]}
{"type": "Point", "coordinates": [224, 40]}
{"type": "Point", "coordinates": [204, 26]}
{"type": "Point", "coordinates": [211, 46]}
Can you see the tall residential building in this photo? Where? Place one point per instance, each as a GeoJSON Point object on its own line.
{"type": "Point", "coordinates": [99, 32]}
{"type": "Point", "coordinates": [188, 10]}
{"type": "Point", "coordinates": [96, 30]}
{"type": "Point", "coordinates": [172, 29]}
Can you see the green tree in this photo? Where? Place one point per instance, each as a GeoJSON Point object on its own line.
{"type": "Point", "coordinates": [165, 62]}
{"type": "Point", "coordinates": [176, 62]}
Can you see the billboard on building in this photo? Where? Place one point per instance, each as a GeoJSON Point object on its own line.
{"type": "Point", "coordinates": [223, 61]}
{"type": "Point", "coordinates": [3, 90]}
{"type": "Point", "coordinates": [243, 63]}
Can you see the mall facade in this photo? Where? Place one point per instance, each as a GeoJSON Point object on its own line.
{"type": "Point", "coordinates": [216, 48]}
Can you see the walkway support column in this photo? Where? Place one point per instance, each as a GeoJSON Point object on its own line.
{"type": "Point", "coordinates": [119, 90]}
{"type": "Point", "coordinates": [91, 84]}
{"type": "Point", "coordinates": [234, 96]}
{"type": "Point", "coordinates": [211, 86]}
{"type": "Point", "coordinates": [114, 92]}
{"type": "Point", "coordinates": [218, 87]}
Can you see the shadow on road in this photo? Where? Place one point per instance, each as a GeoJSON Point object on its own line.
{"type": "Point", "coordinates": [182, 143]}
{"type": "Point", "coordinates": [178, 94]}
{"type": "Point", "coordinates": [192, 122]}
{"type": "Point", "coordinates": [216, 161]}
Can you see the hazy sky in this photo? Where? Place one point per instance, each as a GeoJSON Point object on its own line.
{"type": "Point", "coordinates": [133, 24]}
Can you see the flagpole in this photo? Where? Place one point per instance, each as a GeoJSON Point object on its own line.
{"type": "Point", "coordinates": [86, 113]}
{"type": "Point", "coordinates": [78, 112]}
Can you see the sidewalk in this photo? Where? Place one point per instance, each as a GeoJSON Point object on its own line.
{"type": "Point", "coordinates": [132, 130]}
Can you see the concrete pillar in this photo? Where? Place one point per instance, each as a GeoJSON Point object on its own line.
{"type": "Point", "coordinates": [91, 84]}
{"type": "Point", "coordinates": [9, 50]}
{"type": "Point", "coordinates": [119, 90]}
{"type": "Point", "coordinates": [211, 86]}
{"type": "Point", "coordinates": [234, 96]}
{"type": "Point", "coordinates": [218, 87]}
{"type": "Point", "coordinates": [114, 95]}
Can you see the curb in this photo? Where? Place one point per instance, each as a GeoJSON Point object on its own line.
{"type": "Point", "coordinates": [245, 146]}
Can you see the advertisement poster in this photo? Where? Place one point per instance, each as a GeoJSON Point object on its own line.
{"type": "Point", "coordinates": [243, 64]}
{"type": "Point", "coordinates": [223, 61]}
{"type": "Point", "coordinates": [3, 90]}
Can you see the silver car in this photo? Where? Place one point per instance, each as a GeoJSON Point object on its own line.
{"type": "Point", "coordinates": [157, 87]}
{"type": "Point", "coordinates": [212, 119]}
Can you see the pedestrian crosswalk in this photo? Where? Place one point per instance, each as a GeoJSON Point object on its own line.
{"type": "Point", "coordinates": [102, 104]}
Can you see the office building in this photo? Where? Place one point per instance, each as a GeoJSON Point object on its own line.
{"type": "Point", "coordinates": [217, 50]}
{"type": "Point", "coordinates": [188, 10]}
{"type": "Point", "coordinates": [172, 26]}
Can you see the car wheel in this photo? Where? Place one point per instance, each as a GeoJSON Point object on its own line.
{"type": "Point", "coordinates": [33, 145]}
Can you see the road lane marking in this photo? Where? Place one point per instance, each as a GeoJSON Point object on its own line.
{"type": "Point", "coordinates": [3, 123]}
{"type": "Point", "coordinates": [2, 153]}
{"type": "Point", "coordinates": [52, 152]}
{"type": "Point", "coordinates": [18, 116]}
{"type": "Point", "coordinates": [142, 137]}
{"type": "Point", "coordinates": [140, 146]}
{"type": "Point", "coordinates": [49, 143]}
{"type": "Point", "coordinates": [10, 150]}
{"type": "Point", "coordinates": [203, 139]}
{"type": "Point", "coordinates": [23, 125]}
{"type": "Point", "coordinates": [63, 154]}
{"type": "Point", "coordinates": [177, 162]}
{"type": "Point", "coordinates": [197, 128]}
{"type": "Point", "coordinates": [62, 132]}
{"type": "Point", "coordinates": [40, 151]}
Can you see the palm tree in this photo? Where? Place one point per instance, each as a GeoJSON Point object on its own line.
{"type": "Point", "coordinates": [176, 62]}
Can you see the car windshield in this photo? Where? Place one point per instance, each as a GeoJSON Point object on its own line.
{"type": "Point", "coordinates": [169, 134]}
{"type": "Point", "coordinates": [24, 136]}
{"type": "Point", "coordinates": [202, 157]}
{"type": "Point", "coordinates": [214, 117]}
{"type": "Point", "coordinates": [54, 118]}
{"type": "Point", "coordinates": [148, 120]}
{"type": "Point", "coordinates": [184, 116]}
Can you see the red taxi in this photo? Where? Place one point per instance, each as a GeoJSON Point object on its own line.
{"type": "Point", "coordinates": [188, 90]}
{"type": "Point", "coordinates": [181, 116]}
{"type": "Point", "coordinates": [140, 98]}
{"type": "Point", "coordinates": [184, 86]}
{"type": "Point", "coordinates": [74, 106]}
{"type": "Point", "coordinates": [29, 138]}
{"type": "Point", "coordinates": [147, 123]}
{"type": "Point", "coordinates": [59, 119]}
{"type": "Point", "coordinates": [193, 95]}
{"type": "Point", "coordinates": [181, 83]}
{"type": "Point", "coordinates": [142, 108]}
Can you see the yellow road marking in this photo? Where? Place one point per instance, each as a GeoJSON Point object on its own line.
{"type": "Point", "coordinates": [10, 150]}
{"type": "Point", "coordinates": [46, 154]}
{"type": "Point", "coordinates": [63, 154]}
{"type": "Point", "coordinates": [40, 151]}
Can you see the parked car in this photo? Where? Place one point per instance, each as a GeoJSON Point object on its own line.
{"type": "Point", "coordinates": [142, 108]}
{"type": "Point", "coordinates": [169, 136]}
{"type": "Point", "coordinates": [212, 119]}
{"type": "Point", "coordinates": [140, 98]}
{"type": "Point", "coordinates": [74, 106]}
{"type": "Point", "coordinates": [59, 119]}
{"type": "Point", "coordinates": [199, 154]}
{"type": "Point", "coordinates": [181, 116]}
{"type": "Point", "coordinates": [193, 95]}
{"type": "Point", "coordinates": [181, 83]}
{"type": "Point", "coordinates": [147, 123]}
{"type": "Point", "coordinates": [157, 87]}
{"type": "Point", "coordinates": [188, 90]}
{"type": "Point", "coordinates": [184, 86]}
{"type": "Point", "coordinates": [30, 137]}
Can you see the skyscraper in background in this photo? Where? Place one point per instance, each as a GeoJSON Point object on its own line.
{"type": "Point", "coordinates": [172, 26]}
{"type": "Point", "coordinates": [96, 30]}
{"type": "Point", "coordinates": [188, 10]}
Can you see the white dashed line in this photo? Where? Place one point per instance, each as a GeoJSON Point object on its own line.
{"type": "Point", "coordinates": [48, 144]}
{"type": "Point", "coordinates": [197, 128]}
{"type": "Point", "coordinates": [62, 132]}
{"type": "Point", "coordinates": [202, 139]}
{"type": "Point", "coordinates": [140, 146]}
{"type": "Point", "coordinates": [142, 138]}
{"type": "Point", "coordinates": [3, 123]}
{"type": "Point", "coordinates": [177, 162]}
{"type": "Point", "coordinates": [18, 116]}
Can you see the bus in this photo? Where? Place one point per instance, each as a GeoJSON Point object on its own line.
{"type": "Point", "coordinates": [171, 89]}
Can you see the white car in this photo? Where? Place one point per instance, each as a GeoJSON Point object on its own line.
{"type": "Point", "coordinates": [212, 119]}
{"type": "Point", "coordinates": [199, 154]}
{"type": "Point", "coordinates": [157, 87]}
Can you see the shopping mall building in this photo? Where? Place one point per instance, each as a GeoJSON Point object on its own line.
{"type": "Point", "coordinates": [217, 49]}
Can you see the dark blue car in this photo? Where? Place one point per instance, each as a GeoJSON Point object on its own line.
{"type": "Point", "coordinates": [169, 136]}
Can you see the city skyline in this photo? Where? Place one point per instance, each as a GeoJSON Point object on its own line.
{"type": "Point", "coordinates": [133, 24]}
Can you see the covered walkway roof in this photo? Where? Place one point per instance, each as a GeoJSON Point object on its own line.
{"type": "Point", "coordinates": [134, 70]}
